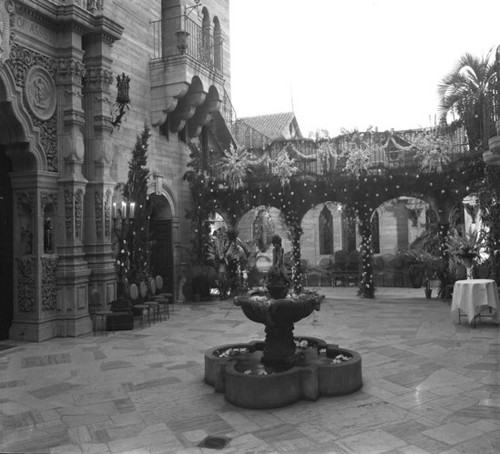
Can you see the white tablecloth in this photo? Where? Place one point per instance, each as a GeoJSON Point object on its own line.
{"type": "Point", "coordinates": [471, 295]}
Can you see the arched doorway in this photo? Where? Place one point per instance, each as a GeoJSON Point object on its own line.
{"type": "Point", "coordinates": [162, 257]}
{"type": "Point", "coordinates": [6, 244]}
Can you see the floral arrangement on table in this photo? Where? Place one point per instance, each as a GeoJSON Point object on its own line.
{"type": "Point", "coordinates": [464, 246]}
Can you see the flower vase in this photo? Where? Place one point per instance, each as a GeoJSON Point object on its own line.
{"type": "Point", "coordinates": [467, 262]}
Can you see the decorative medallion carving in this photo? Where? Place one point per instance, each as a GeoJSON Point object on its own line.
{"type": "Point", "coordinates": [78, 213]}
{"type": "Point", "coordinates": [49, 283]}
{"type": "Point", "coordinates": [40, 92]}
{"type": "Point", "coordinates": [107, 214]}
{"type": "Point", "coordinates": [26, 284]}
{"type": "Point", "coordinates": [68, 213]}
{"type": "Point", "coordinates": [98, 203]}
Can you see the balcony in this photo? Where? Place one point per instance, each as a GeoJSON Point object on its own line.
{"type": "Point", "coordinates": [186, 73]}
{"type": "Point", "coordinates": [414, 151]}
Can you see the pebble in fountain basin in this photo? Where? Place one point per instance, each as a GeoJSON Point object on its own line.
{"type": "Point", "coordinates": [282, 369]}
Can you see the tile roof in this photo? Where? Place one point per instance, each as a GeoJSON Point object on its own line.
{"type": "Point", "coordinates": [271, 125]}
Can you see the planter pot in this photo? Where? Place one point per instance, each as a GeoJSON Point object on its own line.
{"type": "Point", "coordinates": [428, 293]}
{"type": "Point", "coordinates": [416, 275]}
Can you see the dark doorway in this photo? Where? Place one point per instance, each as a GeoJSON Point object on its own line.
{"type": "Point", "coordinates": [6, 247]}
{"type": "Point", "coordinates": [162, 262]}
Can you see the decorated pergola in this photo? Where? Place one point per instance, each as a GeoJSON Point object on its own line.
{"type": "Point", "coordinates": [263, 180]}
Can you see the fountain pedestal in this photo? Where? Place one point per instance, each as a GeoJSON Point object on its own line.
{"type": "Point", "coordinates": [279, 351]}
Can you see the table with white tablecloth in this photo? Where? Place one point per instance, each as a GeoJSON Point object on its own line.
{"type": "Point", "coordinates": [475, 298]}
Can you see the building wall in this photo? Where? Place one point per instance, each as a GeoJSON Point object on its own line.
{"type": "Point", "coordinates": [69, 163]}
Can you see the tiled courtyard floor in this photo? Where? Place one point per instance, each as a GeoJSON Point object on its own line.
{"type": "Point", "coordinates": [429, 385]}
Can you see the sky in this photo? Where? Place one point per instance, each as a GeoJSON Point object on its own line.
{"type": "Point", "coordinates": [353, 64]}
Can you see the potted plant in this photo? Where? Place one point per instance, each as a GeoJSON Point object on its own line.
{"type": "Point", "coordinates": [431, 276]}
{"type": "Point", "coordinates": [422, 266]}
{"type": "Point", "coordinates": [228, 254]}
{"type": "Point", "coordinates": [465, 248]}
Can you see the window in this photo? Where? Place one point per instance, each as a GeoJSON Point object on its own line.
{"type": "Point", "coordinates": [325, 223]}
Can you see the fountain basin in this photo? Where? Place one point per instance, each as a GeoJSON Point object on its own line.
{"type": "Point", "coordinates": [237, 371]}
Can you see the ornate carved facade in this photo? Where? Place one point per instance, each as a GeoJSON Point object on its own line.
{"type": "Point", "coordinates": [66, 147]}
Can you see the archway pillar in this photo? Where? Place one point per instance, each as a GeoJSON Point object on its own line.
{"type": "Point", "coordinates": [98, 160]}
{"type": "Point", "coordinates": [38, 305]}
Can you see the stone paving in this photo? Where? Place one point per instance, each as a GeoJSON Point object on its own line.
{"type": "Point", "coordinates": [430, 385]}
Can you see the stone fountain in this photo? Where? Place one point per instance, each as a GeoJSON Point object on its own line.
{"type": "Point", "coordinates": [283, 368]}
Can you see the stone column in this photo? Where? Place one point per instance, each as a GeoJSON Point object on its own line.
{"type": "Point", "coordinates": [98, 101]}
{"type": "Point", "coordinates": [73, 271]}
{"type": "Point", "coordinates": [99, 147]}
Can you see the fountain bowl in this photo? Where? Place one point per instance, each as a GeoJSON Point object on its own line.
{"type": "Point", "coordinates": [237, 371]}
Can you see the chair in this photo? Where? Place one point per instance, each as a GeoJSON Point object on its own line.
{"type": "Point", "coordinates": [98, 314]}
{"type": "Point", "coordinates": [162, 297]}
{"type": "Point", "coordinates": [154, 306]}
{"type": "Point", "coordinates": [134, 295]}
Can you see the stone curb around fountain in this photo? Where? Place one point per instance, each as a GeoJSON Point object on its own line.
{"type": "Point", "coordinates": [302, 381]}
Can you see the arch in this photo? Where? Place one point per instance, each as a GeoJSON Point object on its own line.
{"type": "Point", "coordinates": [401, 221]}
{"type": "Point", "coordinates": [156, 189]}
{"type": "Point", "coordinates": [310, 242]}
{"type": "Point", "coordinates": [18, 133]}
{"type": "Point", "coordinates": [325, 225]}
{"type": "Point", "coordinates": [206, 36]}
{"type": "Point", "coordinates": [161, 234]}
{"type": "Point", "coordinates": [218, 62]}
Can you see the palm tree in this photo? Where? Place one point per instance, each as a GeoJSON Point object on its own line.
{"type": "Point", "coordinates": [464, 92]}
{"type": "Point", "coordinates": [235, 166]}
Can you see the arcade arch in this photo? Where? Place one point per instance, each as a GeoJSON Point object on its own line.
{"type": "Point", "coordinates": [161, 232]}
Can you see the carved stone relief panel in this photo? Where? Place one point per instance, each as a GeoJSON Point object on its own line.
{"type": "Point", "coordinates": [25, 214]}
{"type": "Point", "coordinates": [107, 214]}
{"type": "Point", "coordinates": [26, 284]}
{"type": "Point", "coordinates": [22, 59]}
{"type": "Point", "coordinates": [68, 213]}
{"type": "Point", "coordinates": [49, 210]}
{"type": "Point", "coordinates": [6, 28]}
{"type": "Point", "coordinates": [98, 79]}
{"type": "Point", "coordinates": [48, 198]}
{"type": "Point", "coordinates": [98, 204]}
{"type": "Point", "coordinates": [36, 72]}
{"type": "Point", "coordinates": [70, 70]}
{"type": "Point", "coordinates": [78, 213]}
{"type": "Point", "coordinates": [49, 283]}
